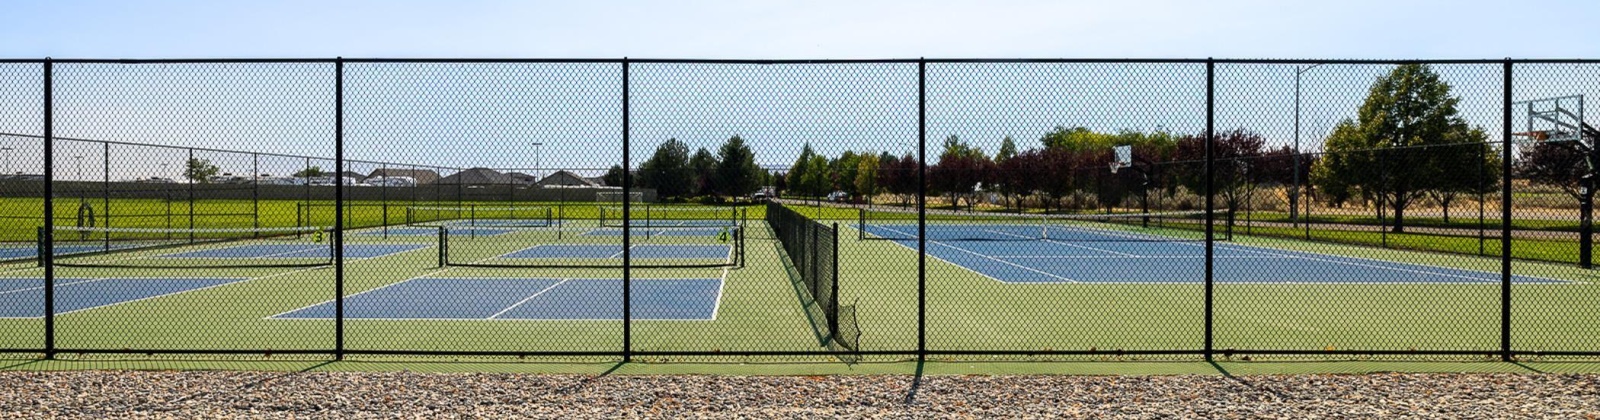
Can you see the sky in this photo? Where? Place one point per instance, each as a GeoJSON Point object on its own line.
{"type": "Point", "coordinates": [487, 115]}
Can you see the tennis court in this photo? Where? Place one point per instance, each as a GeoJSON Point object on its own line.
{"type": "Point", "coordinates": [568, 299]}
{"type": "Point", "coordinates": [23, 297]}
{"type": "Point", "coordinates": [296, 250]}
{"type": "Point", "coordinates": [1120, 253]}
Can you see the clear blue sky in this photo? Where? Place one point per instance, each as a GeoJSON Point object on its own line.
{"type": "Point", "coordinates": [406, 114]}
{"type": "Point", "coordinates": [802, 29]}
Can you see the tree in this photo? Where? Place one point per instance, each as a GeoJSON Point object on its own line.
{"type": "Point", "coordinates": [899, 176]}
{"type": "Point", "coordinates": [704, 166]}
{"type": "Point", "coordinates": [1237, 165]}
{"type": "Point", "coordinates": [1553, 164]}
{"type": "Point", "coordinates": [1076, 139]}
{"type": "Point", "coordinates": [866, 179]}
{"type": "Point", "coordinates": [780, 183]}
{"type": "Point", "coordinates": [816, 179]}
{"type": "Point", "coordinates": [1391, 151]}
{"type": "Point", "coordinates": [314, 171]}
{"type": "Point", "coordinates": [200, 170]}
{"type": "Point", "coordinates": [613, 176]}
{"type": "Point", "coordinates": [1021, 175]}
{"type": "Point", "coordinates": [668, 170]}
{"type": "Point", "coordinates": [737, 174]}
{"type": "Point", "coordinates": [1000, 182]}
{"type": "Point", "coordinates": [797, 172]}
{"type": "Point", "coordinates": [1472, 168]}
{"type": "Point", "coordinates": [960, 171]}
{"type": "Point", "coordinates": [842, 172]}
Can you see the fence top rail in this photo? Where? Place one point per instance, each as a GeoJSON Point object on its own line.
{"type": "Point", "coordinates": [795, 61]}
{"type": "Point", "coordinates": [392, 165]}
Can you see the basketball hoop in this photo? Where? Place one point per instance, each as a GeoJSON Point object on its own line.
{"type": "Point", "coordinates": [1121, 157]}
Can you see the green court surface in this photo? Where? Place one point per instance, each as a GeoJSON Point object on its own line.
{"type": "Point", "coordinates": [762, 306]}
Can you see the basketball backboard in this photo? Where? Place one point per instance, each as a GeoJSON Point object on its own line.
{"type": "Point", "coordinates": [1121, 157]}
{"type": "Point", "coordinates": [1558, 119]}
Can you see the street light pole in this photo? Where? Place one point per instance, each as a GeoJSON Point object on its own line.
{"type": "Point", "coordinates": [1294, 191]}
{"type": "Point", "coordinates": [8, 159]}
{"type": "Point", "coordinates": [538, 155]}
{"type": "Point", "coordinates": [79, 158]}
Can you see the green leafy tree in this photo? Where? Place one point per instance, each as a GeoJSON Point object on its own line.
{"type": "Point", "coordinates": [866, 180]}
{"type": "Point", "coordinates": [668, 170]}
{"type": "Point", "coordinates": [796, 178]}
{"type": "Point", "coordinates": [1077, 139]}
{"type": "Point", "coordinates": [842, 172]}
{"type": "Point", "coordinates": [704, 166]}
{"type": "Point", "coordinates": [1394, 150]}
{"type": "Point", "coordinates": [314, 171]}
{"type": "Point", "coordinates": [200, 170]}
{"type": "Point", "coordinates": [816, 180]}
{"type": "Point", "coordinates": [613, 176]}
{"type": "Point", "coordinates": [737, 174]}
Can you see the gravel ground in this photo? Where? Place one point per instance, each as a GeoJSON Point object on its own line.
{"type": "Point", "coordinates": [133, 394]}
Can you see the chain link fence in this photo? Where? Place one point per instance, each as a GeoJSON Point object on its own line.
{"type": "Point", "coordinates": [855, 210]}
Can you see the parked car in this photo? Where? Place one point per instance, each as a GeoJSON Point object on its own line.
{"type": "Point", "coordinates": [839, 197]}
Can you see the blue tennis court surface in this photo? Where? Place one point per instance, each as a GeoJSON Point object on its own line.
{"type": "Point", "coordinates": [32, 251]}
{"type": "Point", "coordinates": [305, 250]}
{"type": "Point", "coordinates": [24, 297]}
{"type": "Point", "coordinates": [610, 251]}
{"type": "Point", "coordinates": [527, 299]}
{"type": "Point", "coordinates": [1132, 258]}
{"type": "Point", "coordinates": [423, 231]}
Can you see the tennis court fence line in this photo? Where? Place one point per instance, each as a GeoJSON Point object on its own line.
{"type": "Point", "coordinates": [946, 232]}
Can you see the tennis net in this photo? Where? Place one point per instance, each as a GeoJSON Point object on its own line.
{"type": "Point", "coordinates": [813, 250]}
{"type": "Point", "coordinates": [187, 248]}
{"type": "Point", "coordinates": [558, 247]}
{"type": "Point", "coordinates": [480, 216]}
{"type": "Point", "coordinates": [972, 226]}
{"type": "Point", "coordinates": [648, 216]}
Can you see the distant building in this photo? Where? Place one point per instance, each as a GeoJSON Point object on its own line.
{"type": "Point", "coordinates": [522, 178]}
{"type": "Point", "coordinates": [566, 179]}
{"type": "Point", "coordinates": [477, 176]}
{"type": "Point", "coordinates": [421, 176]}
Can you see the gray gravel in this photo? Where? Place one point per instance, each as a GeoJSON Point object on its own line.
{"type": "Point", "coordinates": [133, 394]}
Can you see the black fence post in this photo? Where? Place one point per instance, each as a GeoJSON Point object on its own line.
{"type": "Point", "coordinates": [105, 192]}
{"type": "Point", "coordinates": [338, 207]}
{"type": "Point", "coordinates": [255, 193]}
{"type": "Point", "coordinates": [833, 313]}
{"type": "Point", "coordinates": [922, 209]}
{"type": "Point", "coordinates": [187, 172]}
{"type": "Point", "coordinates": [1482, 152]}
{"type": "Point", "coordinates": [627, 222]}
{"type": "Point", "coordinates": [1505, 219]}
{"type": "Point", "coordinates": [1211, 102]}
{"type": "Point", "coordinates": [47, 241]}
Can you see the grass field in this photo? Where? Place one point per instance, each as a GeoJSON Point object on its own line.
{"type": "Point", "coordinates": [763, 307]}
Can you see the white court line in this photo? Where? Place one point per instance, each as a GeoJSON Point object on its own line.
{"type": "Point", "coordinates": [722, 284]}
{"type": "Point", "coordinates": [1107, 257]}
{"type": "Point", "coordinates": [435, 272]}
{"type": "Point", "coordinates": [239, 280]}
{"type": "Point", "coordinates": [1309, 257]}
{"type": "Point", "coordinates": [526, 299]}
{"type": "Point", "coordinates": [959, 266]}
{"type": "Point", "coordinates": [27, 289]}
{"type": "Point", "coordinates": [996, 260]}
